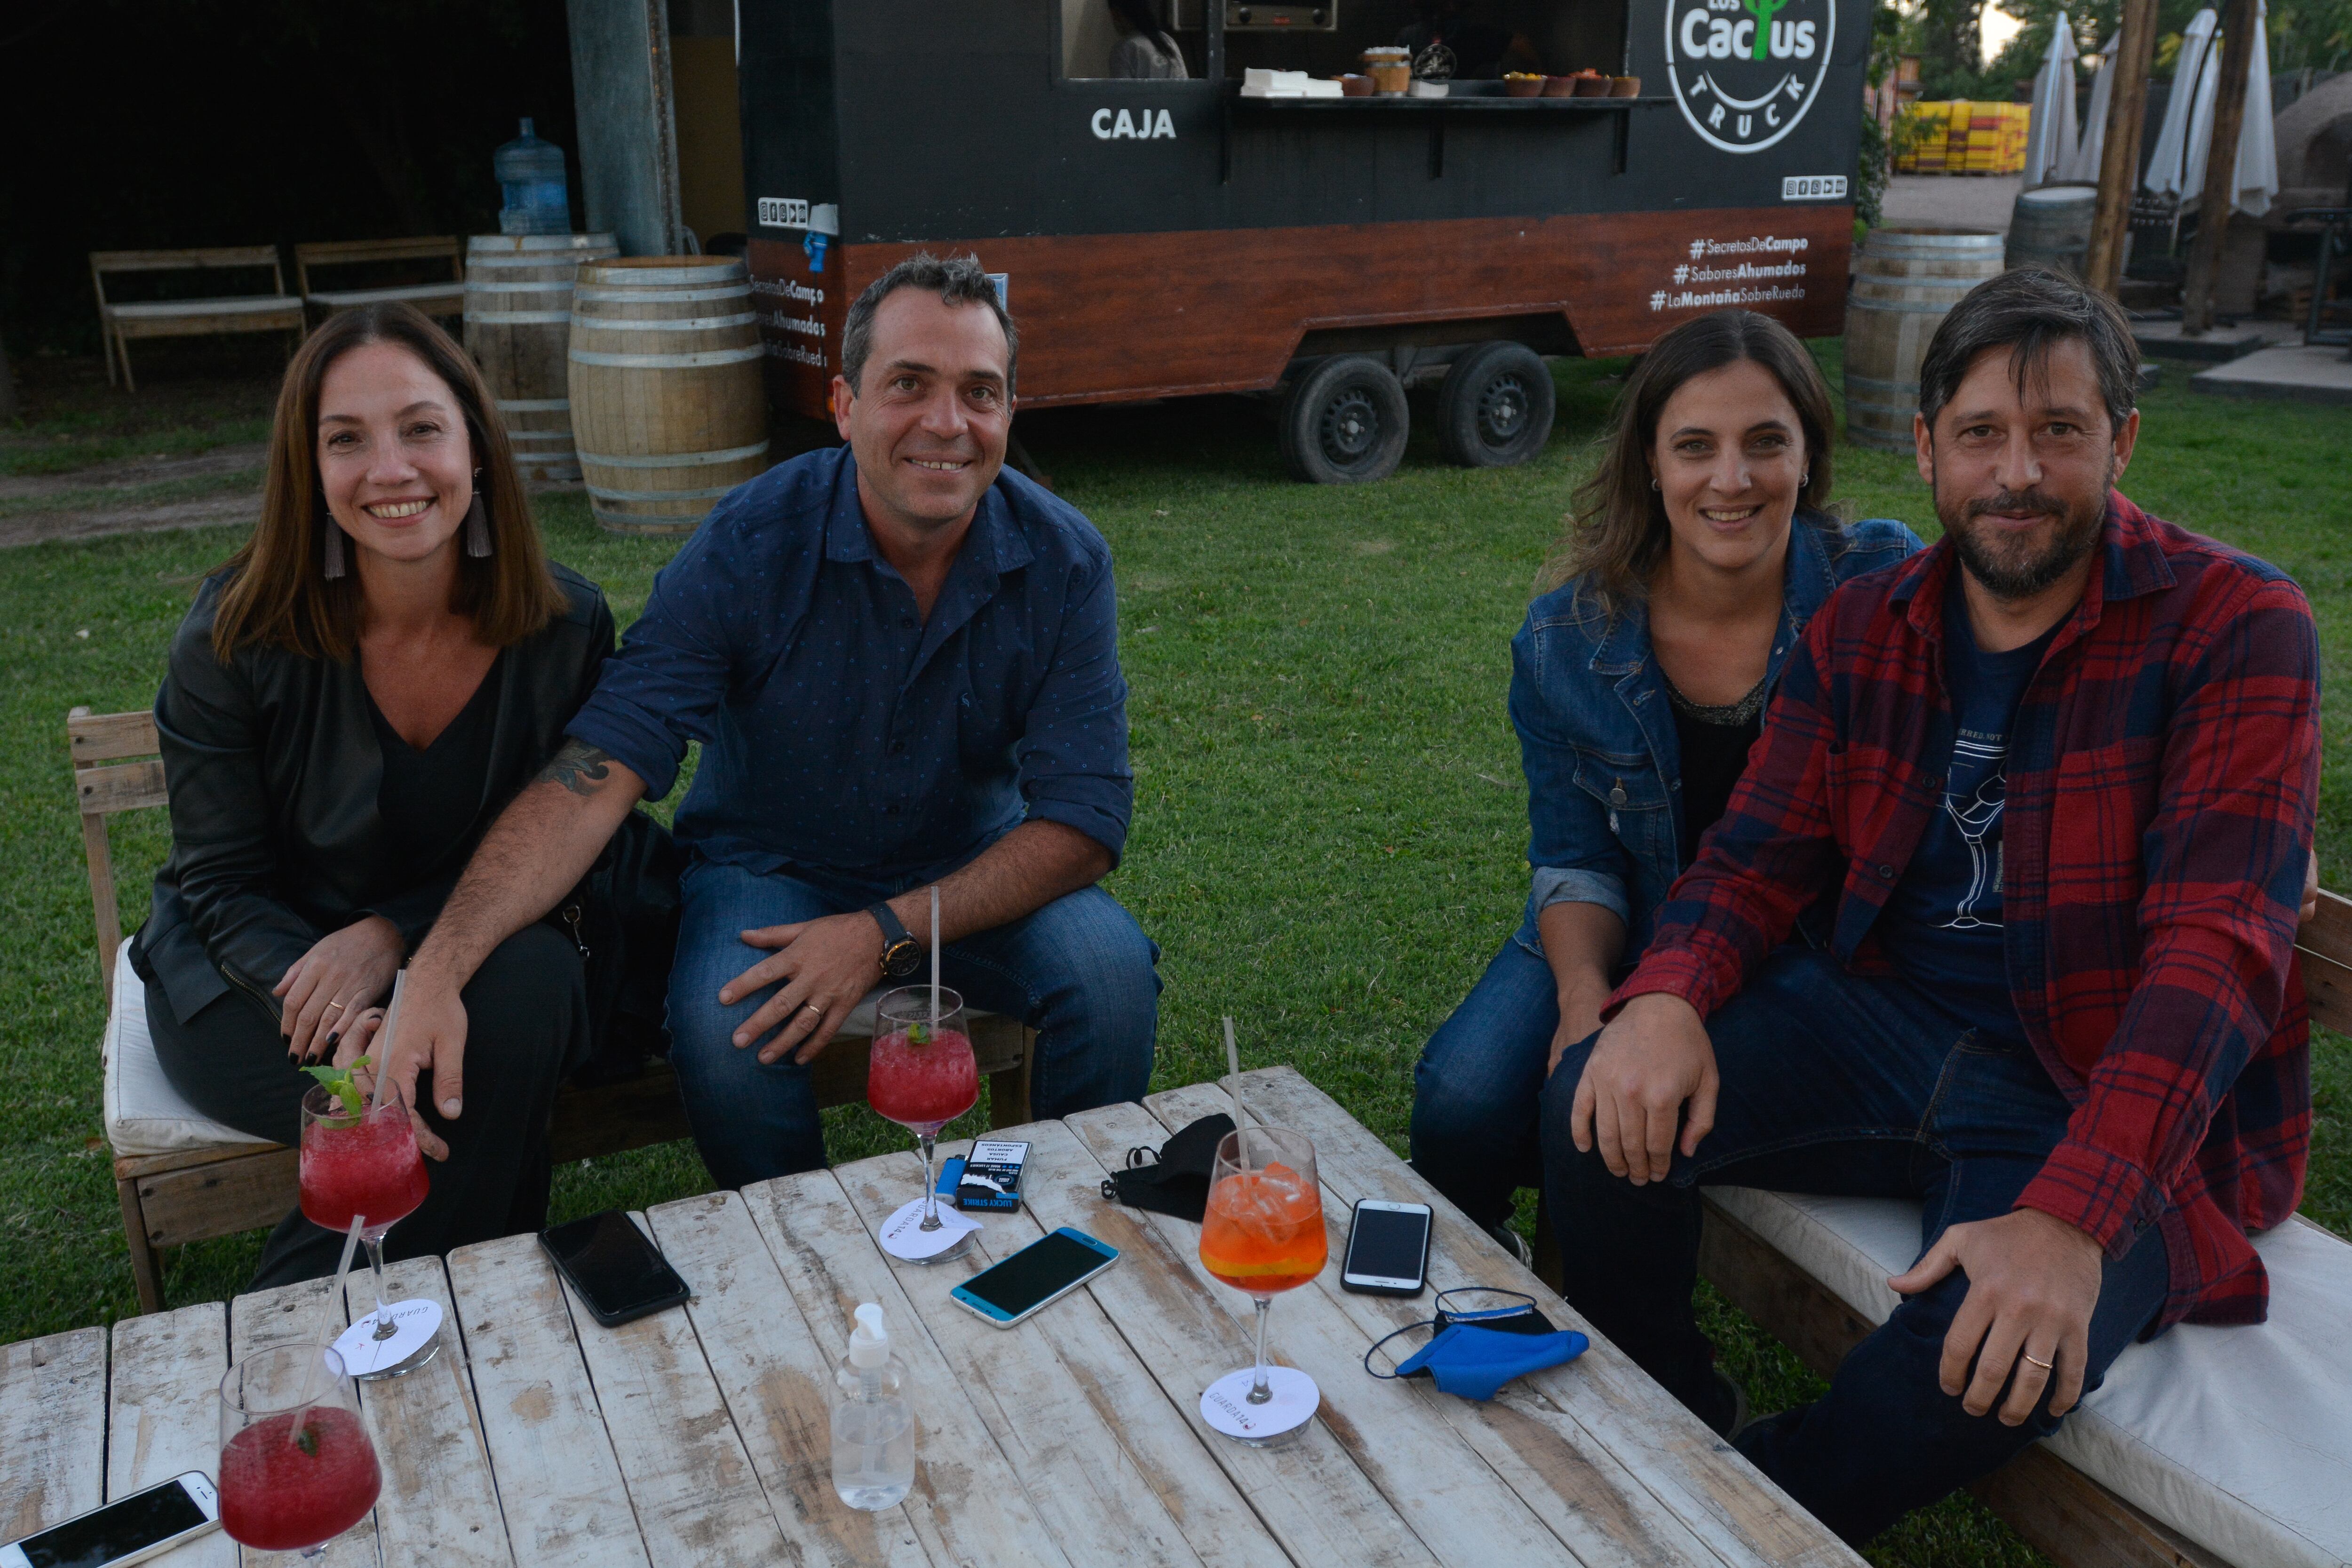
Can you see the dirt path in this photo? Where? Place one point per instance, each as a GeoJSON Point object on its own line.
{"type": "Point", "coordinates": [134, 494]}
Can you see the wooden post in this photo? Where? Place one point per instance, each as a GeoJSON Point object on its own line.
{"type": "Point", "coordinates": [2135, 45]}
{"type": "Point", "coordinates": [2220, 170]}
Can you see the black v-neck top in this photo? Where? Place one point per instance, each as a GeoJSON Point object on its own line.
{"type": "Point", "coordinates": [429, 798]}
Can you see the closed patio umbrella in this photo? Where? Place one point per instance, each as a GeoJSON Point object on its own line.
{"type": "Point", "coordinates": [2257, 169]}
{"type": "Point", "coordinates": [2165, 163]}
{"type": "Point", "coordinates": [2082, 168]}
{"type": "Point", "coordinates": [2049, 133]}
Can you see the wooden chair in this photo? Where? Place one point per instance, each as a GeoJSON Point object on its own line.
{"type": "Point", "coordinates": [435, 299]}
{"type": "Point", "coordinates": [215, 1189]}
{"type": "Point", "coordinates": [120, 322]}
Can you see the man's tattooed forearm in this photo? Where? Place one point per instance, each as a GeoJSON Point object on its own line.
{"type": "Point", "coordinates": [577, 767]}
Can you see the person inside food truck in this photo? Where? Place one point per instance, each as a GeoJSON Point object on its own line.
{"type": "Point", "coordinates": [1145, 48]}
{"type": "Point", "coordinates": [2089, 1058]}
{"type": "Point", "coordinates": [901, 660]}
{"type": "Point", "coordinates": [1447, 44]}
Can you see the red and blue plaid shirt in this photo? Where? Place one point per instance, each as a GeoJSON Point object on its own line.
{"type": "Point", "coordinates": [2163, 774]}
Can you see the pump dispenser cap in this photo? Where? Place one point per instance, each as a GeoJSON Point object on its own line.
{"type": "Point", "coordinates": [869, 1342]}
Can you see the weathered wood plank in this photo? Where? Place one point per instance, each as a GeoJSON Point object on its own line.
{"type": "Point", "coordinates": [696, 1498]}
{"type": "Point", "coordinates": [438, 1505]}
{"type": "Point", "coordinates": [2326, 989]}
{"type": "Point", "coordinates": [288, 1315]}
{"type": "Point", "coordinates": [1701, 1480]}
{"type": "Point", "coordinates": [1310, 1493]}
{"type": "Point", "coordinates": [559, 1484]}
{"type": "Point", "coordinates": [126, 786]}
{"type": "Point", "coordinates": [219, 1197]}
{"type": "Point", "coordinates": [1104, 1452]}
{"type": "Point", "coordinates": [1452, 1498]}
{"type": "Point", "coordinates": [110, 737]}
{"type": "Point", "coordinates": [52, 1429]}
{"type": "Point", "coordinates": [778, 1382]}
{"type": "Point", "coordinates": [2329, 934]}
{"type": "Point", "coordinates": [1570, 1480]}
{"type": "Point", "coordinates": [970, 1504]}
{"type": "Point", "coordinates": [163, 1412]}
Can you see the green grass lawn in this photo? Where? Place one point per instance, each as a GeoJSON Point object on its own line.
{"type": "Point", "coordinates": [1330, 824]}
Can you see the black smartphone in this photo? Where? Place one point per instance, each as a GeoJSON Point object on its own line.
{"type": "Point", "coordinates": [1388, 1249]}
{"type": "Point", "coordinates": [618, 1273]}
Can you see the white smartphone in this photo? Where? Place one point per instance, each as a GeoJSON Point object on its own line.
{"type": "Point", "coordinates": [128, 1530]}
{"type": "Point", "coordinates": [1036, 1277]}
{"type": "Point", "coordinates": [1388, 1249]}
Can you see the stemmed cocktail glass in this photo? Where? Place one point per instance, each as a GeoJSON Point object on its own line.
{"type": "Point", "coordinates": [1263, 1234]}
{"type": "Point", "coordinates": [297, 1468]}
{"type": "Point", "coordinates": [361, 1160]}
{"type": "Point", "coordinates": [922, 1075]}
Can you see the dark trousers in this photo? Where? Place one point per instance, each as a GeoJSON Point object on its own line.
{"type": "Point", "coordinates": [1844, 1086]}
{"type": "Point", "coordinates": [527, 1027]}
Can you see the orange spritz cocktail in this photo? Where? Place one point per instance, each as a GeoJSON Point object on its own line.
{"type": "Point", "coordinates": [1263, 1231]}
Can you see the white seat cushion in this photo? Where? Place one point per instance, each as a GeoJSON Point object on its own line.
{"type": "Point", "coordinates": [414, 293]}
{"type": "Point", "coordinates": [144, 1114]}
{"type": "Point", "coordinates": [2240, 1439]}
{"type": "Point", "coordinates": [172, 309]}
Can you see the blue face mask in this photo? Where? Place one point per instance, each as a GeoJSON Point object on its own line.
{"type": "Point", "coordinates": [1474, 1353]}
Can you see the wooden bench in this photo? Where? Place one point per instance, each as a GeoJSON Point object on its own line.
{"type": "Point", "coordinates": [119, 323]}
{"type": "Point", "coordinates": [2072, 1518]}
{"type": "Point", "coordinates": [219, 1189]}
{"type": "Point", "coordinates": [435, 299]}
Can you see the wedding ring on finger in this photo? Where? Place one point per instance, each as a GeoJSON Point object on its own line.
{"type": "Point", "coordinates": [2036, 1361]}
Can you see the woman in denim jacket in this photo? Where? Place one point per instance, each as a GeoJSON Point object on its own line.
{"type": "Point", "coordinates": [1693, 560]}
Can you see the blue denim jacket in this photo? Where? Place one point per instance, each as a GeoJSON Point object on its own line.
{"type": "Point", "coordinates": [1597, 736]}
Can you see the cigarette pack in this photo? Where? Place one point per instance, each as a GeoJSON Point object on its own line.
{"type": "Point", "coordinates": [991, 1177]}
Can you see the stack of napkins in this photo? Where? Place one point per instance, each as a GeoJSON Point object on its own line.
{"type": "Point", "coordinates": [1258, 83]}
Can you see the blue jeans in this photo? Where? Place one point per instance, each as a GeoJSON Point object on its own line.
{"type": "Point", "coordinates": [1079, 971]}
{"type": "Point", "coordinates": [1475, 1089]}
{"type": "Point", "coordinates": [1842, 1085]}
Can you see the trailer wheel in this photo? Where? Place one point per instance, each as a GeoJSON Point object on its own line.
{"type": "Point", "coordinates": [1344, 422]}
{"type": "Point", "coordinates": [1496, 408]}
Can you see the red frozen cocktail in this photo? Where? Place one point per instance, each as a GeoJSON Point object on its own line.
{"type": "Point", "coordinates": [284, 1490]}
{"type": "Point", "coordinates": [923, 1083]}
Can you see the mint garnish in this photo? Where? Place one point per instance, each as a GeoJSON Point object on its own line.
{"type": "Point", "coordinates": [341, 1084]}
{"type": "Point", "coordinates": [307, 1439]}
{"type": "Point", "coordinates": [918, 1034]}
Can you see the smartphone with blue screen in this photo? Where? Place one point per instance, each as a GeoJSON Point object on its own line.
{"type": "Point", "coordinates": [1035, 1277]}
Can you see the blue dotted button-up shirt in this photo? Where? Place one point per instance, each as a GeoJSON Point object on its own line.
{"type": "Point", "coordinates": [841, 732]}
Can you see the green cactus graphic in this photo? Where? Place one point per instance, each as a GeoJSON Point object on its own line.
{"type": "Point", "coordinates": [1763, 11]}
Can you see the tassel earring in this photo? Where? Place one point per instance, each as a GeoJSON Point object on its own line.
{"type": "Point", "coordinates": [334, 548]}
{"type": "Point", "coordinates": [477, 528]}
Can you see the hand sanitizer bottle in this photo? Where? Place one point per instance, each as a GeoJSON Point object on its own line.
{"type": "Point", "coordinates": [873, 1424]}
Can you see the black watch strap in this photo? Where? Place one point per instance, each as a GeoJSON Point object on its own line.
{"type": "Point", "coordinates": [900, 953]}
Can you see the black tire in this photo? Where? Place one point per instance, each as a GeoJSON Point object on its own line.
{"type": "Point", "coordinates": [1495, 409]}
{"type": "Point", "coordinates": [1344, 422]}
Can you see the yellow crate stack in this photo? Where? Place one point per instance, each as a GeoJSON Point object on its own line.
{"type": "Point", "coordinates": [1964, 137]}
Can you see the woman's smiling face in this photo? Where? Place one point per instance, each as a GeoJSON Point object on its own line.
{"type": "Point", "coordinates": [1729, 458]}
{"type": "Point", "coordinates": [394, 459]}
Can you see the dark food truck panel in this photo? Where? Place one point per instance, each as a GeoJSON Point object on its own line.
{"type": "Point", "coordinates": [1166, 238]}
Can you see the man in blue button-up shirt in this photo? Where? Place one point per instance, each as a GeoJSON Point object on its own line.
{"type": "Point", "coordinates": [902, 662]}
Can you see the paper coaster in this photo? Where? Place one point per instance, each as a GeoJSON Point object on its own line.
{"type": "Point", "coordinates": [1227, 1404]}
{"type": "Point", "coordinates": [903, 1236]}
{"type": "Point", "coordinates": [411, 1347]}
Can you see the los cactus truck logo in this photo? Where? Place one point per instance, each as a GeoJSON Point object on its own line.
{"type": "Point", "coordinates": [1745, 71]}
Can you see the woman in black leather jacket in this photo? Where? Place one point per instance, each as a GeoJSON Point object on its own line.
{"type": "Point", "coordinates": [352, 699]}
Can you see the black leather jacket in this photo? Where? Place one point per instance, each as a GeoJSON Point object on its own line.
{"type": "Point", "coordinates": [274, 767]}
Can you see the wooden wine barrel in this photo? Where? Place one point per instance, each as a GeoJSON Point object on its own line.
{"type": "Point", "coordinates": [518, 321]}
{"type": "Point", "coordinates": [1905, 279]}
{"type": "Point", "coordinates": [2052, 228]}
{"type": "Point", "coordinates": [668, 398]}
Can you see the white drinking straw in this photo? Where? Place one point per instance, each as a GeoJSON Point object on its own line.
{"type": "Point", "coordinates": [935, 961]}
{"type": "Point", "coordinates": [327, 1320]}
{"type": "Point", "coordinates": [1233, 1062]}
{"type": "Point", "coordinates": [380, 1048]}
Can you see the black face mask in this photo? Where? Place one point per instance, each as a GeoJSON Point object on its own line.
{"type": "Point", "coordinates": [1176, 1180]}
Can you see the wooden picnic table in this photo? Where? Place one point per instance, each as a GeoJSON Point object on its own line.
{"type": "Point", "coordinates": [700, 1436]}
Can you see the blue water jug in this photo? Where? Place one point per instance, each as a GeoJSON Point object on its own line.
{"type": "Point", "coordinates": [530, 174]}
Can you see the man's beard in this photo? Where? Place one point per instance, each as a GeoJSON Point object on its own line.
{"type": "Point", "coordinates": [2018, 569]}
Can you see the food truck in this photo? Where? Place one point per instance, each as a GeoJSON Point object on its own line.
{"type": "Point", "coordinates": [1168, 238]}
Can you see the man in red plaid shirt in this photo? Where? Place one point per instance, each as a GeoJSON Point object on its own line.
{"type": "Point", "coordinates": [2051, 784]}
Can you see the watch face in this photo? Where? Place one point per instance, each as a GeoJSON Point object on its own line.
{"type": "Point", "coordinates": [901, 959]}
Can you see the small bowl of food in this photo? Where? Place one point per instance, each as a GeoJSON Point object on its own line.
{"type": "Point", "coordinates": [1560, 87]}
{"type": "Point", "coordinates": [1590, 84]}
{"type": "Point", "coordinates": [1523, 84]}
{"type": "Point", "coordinates": [1355, 84]}
{"type": "Point", "coordinates": [1625, 86]}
